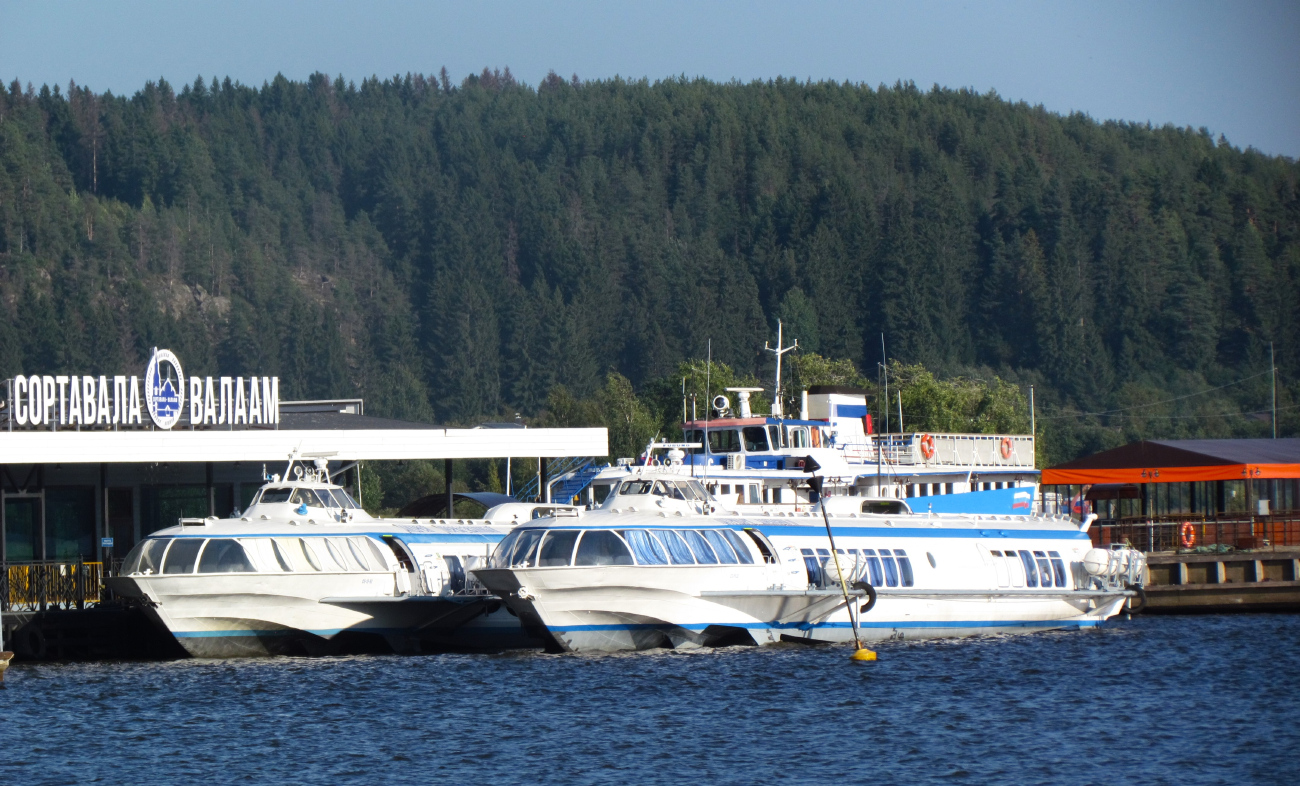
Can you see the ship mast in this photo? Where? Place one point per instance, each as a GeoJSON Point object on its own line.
{"type": "Point", "coordinates": [778, 350]}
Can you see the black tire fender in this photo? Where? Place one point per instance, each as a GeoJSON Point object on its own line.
{"type": "Point", "coordinates": [1141, 596]}
{"type": "Point", "coordinates": [871, 596]}
{"type": "Point", "coordinates": [31, 643]}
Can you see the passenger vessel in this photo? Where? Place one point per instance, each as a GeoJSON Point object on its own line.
{"type": "Point", "coordinates": [662, 564]}
{"type": "Point", "coordinates": [306, 570]}
{"type": "Point", "coordinates": [755, 463]}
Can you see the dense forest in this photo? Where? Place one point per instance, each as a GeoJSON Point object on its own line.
{"type": "Point", "coordinates": [466, 252]}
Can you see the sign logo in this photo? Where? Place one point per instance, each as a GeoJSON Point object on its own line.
{"type": "Point", "coordinates": [163, 391]}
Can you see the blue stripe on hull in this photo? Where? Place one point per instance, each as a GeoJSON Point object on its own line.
{"type": "Point", "coordinates": [948, 624]}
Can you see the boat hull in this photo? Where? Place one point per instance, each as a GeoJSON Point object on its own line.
{"type": "Point", "coordinates": [260, 615]}
{"type": "Point", "coordinates": [603, 617]}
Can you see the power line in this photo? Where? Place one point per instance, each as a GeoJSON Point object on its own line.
{"type": "Point", "coordinates": [1200, 417]}
{"type": "Point", "coordinates": [1155, 403]}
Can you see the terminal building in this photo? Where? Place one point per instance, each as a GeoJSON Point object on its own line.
{"type": "Point", "coordinates": [91, 464]}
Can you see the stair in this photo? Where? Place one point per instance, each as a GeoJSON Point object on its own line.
{"type": "Point", "coordinates": [575, 483]}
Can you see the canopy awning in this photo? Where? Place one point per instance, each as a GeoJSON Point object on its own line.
{"type": "Point", "coordinates": [1183, 461]}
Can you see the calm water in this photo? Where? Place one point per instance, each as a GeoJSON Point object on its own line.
{"type": "Point", "coordinates": [1151, 700]}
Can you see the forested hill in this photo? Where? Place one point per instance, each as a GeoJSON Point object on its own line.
{"type": "Point", "coordinates": [454, 252]}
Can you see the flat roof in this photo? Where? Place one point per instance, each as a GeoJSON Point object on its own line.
{"type": "Point", "coordinates": [1181, 461]}
{"type": "Point", "coordinates": [350, 437]}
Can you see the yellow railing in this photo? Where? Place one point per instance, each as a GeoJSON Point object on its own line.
{"type": "Point", "coordinates": [35, 586]}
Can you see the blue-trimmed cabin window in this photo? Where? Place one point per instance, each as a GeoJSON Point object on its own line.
{"type": "Point", "coordinates": [724, 441]}
{"type": "Point", "coordinates": [645, 548]}
{"type": "Point", "coordinates": [703, 553]}
{"type": "Point", "coordinates": [877, 576]}
{"type": "Point", "coordinates": [678, 552]}
{"type": "Point", "coordinates": [501, 555]}
{"type": "Point", "coordinates": [181, 556]}
{"type": "Point", "coordinates": [738, 543]}
{"type": "Point", "coordinates": [1044, 568]}
{"type": "Point", "coordinates": [557, 549]}
{"type": "Point", "coordinates": [224, 555]}
{"type": "Point", "coordinates": [1015, 567]}
{"type": "Point", "coordinates": [726, 554]}
{"type": "Point", "coordinates": [904, 567]}
{"type": "Point", "coordinates": [526, 549]}
{"type": "Point", "coordinates": [602, 547]}
{"type": "Point", "coordinates": [891, 568]}
{"type": "Point", "coordinates": [755, 439]}
{"type": "Point", "coordinates": [1058, 568]}
{"type": "Point", "coordinates": [813, 565]}
{"type": "Point", "coordinates": [1031, 570]}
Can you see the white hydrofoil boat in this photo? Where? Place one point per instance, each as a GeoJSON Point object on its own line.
{"type": "Point", "coordinates": [306, 570]}
{"type": "Point", "coordinates": [662, 564]}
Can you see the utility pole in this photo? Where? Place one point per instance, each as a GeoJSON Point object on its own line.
{"type": "Point", "coordinates": [884, 365]}
{"type": "Point", "coordinates": [1272, 364]}
{"type": "Point", "coordinates": [778, 350]}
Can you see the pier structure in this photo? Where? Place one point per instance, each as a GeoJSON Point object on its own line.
{"type": "Point", "coordinates": [82, 482]}
{"type": "Point", "coordinates": [1218, 519]}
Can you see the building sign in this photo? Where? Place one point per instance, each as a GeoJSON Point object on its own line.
{"type": "Point", "coordinates": [46, 401]}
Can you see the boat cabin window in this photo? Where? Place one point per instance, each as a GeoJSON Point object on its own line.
{"type": "Point", "coordinates": [724, 441]}
{"type": "Point", "coordinates": [525, 550]}
{"type": "Point", "coordinates": [180, 557]}
{"type": "Point", "coordinates": [798, 436]}
{"type": "Point", "coordinates": [645, 547]}
{"type": "Point", "coordinates": [1058, 568]}
{"type": "Point", "coordinates": [905, 567]}
{"type": "Point", "coordinates": [755, 439]}
{"type": "Point", "coordinates": [721, 546]}
{"type": "Point", "coordinates": [678, 552]}
{"type": "Point", "coordinates": [694, 435]}
{"type": "Point", "coordinates": [275, 495]}
{"type": "Point", "coordinates": [1031, 570]}
{"type": "Point", "coordinates": [357, 550]}
{"type": "Point", "coordinates": [699, 547]}
{"type": "Point", "coordinates": [146, 557]}
{"type": "Point", "coordinates": [774, 436]}
{"type": "Point", "coordinates": [224, 555]}
{"type": "Point", "coordinates": [557, 549]}
{"type": "Point", "coordinates": [636, 487]}
{"type": "Point", "coordinates": [884, 507]}
{"type": "Point", "coordinates": [602, 547]}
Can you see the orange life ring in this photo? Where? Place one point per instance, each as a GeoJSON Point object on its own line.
{"type": "Point", "coordinates": [1005, 447]}
{"type": "Point", "coordinates": [927, 446]}
{"type": "Point", "coordinates": [1189, 534]}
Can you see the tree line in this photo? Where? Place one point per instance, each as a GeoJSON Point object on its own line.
{"type": "Point", "coordinates": [469, 252]}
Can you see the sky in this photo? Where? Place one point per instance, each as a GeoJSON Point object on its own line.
{"type": "Point", "coordinates": [1233, 68]}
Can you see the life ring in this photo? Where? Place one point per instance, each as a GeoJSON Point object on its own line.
{"type": "Point", "coordinates": [927, 446]}
{"type": "Point", "coordinates": [1189, 534]}
{"type": "Point", "coordinates": [871, 595]}
{"type": "Point", "coordinates": [1005, 447]}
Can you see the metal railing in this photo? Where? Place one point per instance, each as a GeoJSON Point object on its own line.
{"type": "Point", "coordinates": [946, 450]}
{"type": "Point", "coordinates": [38, 586]}
{"type": "Point", "coordinates": [1165, 533]}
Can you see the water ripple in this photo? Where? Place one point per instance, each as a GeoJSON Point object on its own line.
{"type": "Point", "coordinates": [1196, 700]}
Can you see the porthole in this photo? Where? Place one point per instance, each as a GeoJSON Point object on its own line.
{"type": "Point", "coordinates": [930, 557]}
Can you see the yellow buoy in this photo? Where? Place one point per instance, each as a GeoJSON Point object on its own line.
{"type": "Point", "coordinates": [864, 654]}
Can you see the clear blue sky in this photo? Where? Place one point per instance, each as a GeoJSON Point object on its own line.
{"type": "Point", "coordinates": [1231, 67]}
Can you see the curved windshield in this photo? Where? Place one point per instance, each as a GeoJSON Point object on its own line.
{"type": "Point", "coordinates": [180, 557]}
{"type": "Point", "coordinates": [275, 495]}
